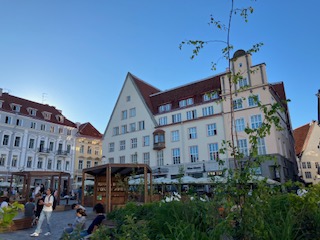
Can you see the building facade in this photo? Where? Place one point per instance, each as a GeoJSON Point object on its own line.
{"type": "Point", "coordinates": [88, 151]}
{"type": "Point", "coordinates": [253, 87]}
{"type": "Point", "coordinates": [34, 137]}
{"type": "Point", "coordinates": [307, 149]}
{"type": "Point", "coordinates": [180, 131]}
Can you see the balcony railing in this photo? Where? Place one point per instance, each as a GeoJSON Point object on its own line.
{"type": "Point", "coordinates": [159, 146]}
{"type": "Point", "coordinates": [61, 152]}
{"type": "Point", "coordinates": [43, 150]}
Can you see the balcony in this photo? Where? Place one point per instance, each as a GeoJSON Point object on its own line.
{"type": "Point", "coordinates": [62, 153]}
{"type": "Point", "coordinates": [159, 146]}
{"type": "Point", "coordinates": [44, 150]}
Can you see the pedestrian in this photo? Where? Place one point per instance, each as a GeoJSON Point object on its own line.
{"type": "Point", "coordinates": [79, 222]}
{"type": "Point", "coordinates": [45, 214]}
{"type": "Point", "coordinates": [29, 208]}
{"type": "Point", "coordinates": [99, 209]}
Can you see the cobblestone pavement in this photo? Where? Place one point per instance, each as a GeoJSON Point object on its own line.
{"type": "Point", "coordinates": [59, 220]}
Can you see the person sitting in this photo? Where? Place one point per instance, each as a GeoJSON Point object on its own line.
{"type": "Point", "coordinates": [99, 209]}
{"type": "Point", "coordinates": [79, 222]}
{"type": "Point", "coordinates": [29, 208]}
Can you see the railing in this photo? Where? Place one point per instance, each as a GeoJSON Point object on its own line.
{"type": "Point", "coordinates": [43, 150]}
{"type": "Point", "coordinates": [61, 152]}
{"type": "Point", "coordinates": [159, 146]}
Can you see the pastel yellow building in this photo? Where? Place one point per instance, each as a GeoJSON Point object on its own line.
{"type": "Point", "coordinates": [88, 150]}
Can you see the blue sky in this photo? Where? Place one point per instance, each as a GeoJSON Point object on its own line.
{"type": "Point", "coordinates": [76, 54]}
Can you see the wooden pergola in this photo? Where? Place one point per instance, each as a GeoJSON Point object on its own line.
{"type": "Point", "coordinates": [29, 176]}
{"type": "Point", "coordinates": [107, 187]}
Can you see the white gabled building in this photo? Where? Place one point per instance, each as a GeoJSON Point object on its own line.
{"type": "Point", "coordinates": [34, 137]}
{"type": "Point", "coordinates": [307, 147]}
{"type": "Point", "coordinates": [181, 130]}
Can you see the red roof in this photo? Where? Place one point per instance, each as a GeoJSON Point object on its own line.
{"type": "Point", "coordinates": [145, 89]}
{"type": "Point", "coordinates": [155, 98]}
{"type": "Point", "coordinates": [301, 137]}
{"type": "Point", "coordinates": [87, 129]}
{"type": "Point", "coordinates": [279, 90]}
{"type": "Point", "coordinates": [25, 104]}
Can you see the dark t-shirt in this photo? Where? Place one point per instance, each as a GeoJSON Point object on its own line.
{"type": "Point", "coordinates": [39, 208]}
{"type": "Point", "coordinates": [29, 209]}
{"type": "Point", "coordinates": [96, 222]}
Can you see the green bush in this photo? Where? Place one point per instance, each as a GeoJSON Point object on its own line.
{"type": "Point", "coordinates": [265, 213]}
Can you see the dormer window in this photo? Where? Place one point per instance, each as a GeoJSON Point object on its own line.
{"type": "Point", "coordinates": [15, 107]}
{"type": "Point", "coordinates": [186, 102]}
{"type": "Point", "coordinates": [60, 118]}
{"type": "Point", "coordinates": [165, 108]}
{"type": "Point", "coordinates": [46, 115]}
{"type": "Point", "coordinates": [32, 111]}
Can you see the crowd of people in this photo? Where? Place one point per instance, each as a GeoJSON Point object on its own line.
{"type": "Point", "coordinates": [41, 209]}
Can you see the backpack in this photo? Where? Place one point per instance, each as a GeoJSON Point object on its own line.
{"type": "Point", "coordinates": [54, 204]}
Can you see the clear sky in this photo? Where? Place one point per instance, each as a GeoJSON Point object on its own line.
{"type": "Point", "coordinates": [76, 54]}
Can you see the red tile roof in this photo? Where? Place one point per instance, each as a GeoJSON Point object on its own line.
{"type": "Point", "coordinates": [145, 89]}
{"type": "Point", "coordinates": [25, 104]}
{"type": "Point", "coordinates": [279, 90]}
{"type": "Point", "coordinates": [155, 98]}
{"type": "Point", "coordinates": [301, 137]}
{"type": "Point", "coordinates": [86, 129]}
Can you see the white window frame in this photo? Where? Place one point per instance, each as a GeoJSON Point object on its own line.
{"type": "Point", "coordinates": [207, 111]}
{"type": "Point", "coordinates": [132, 112]}
{"type": "Point", "coordinates": [192, 114]}
{"type": "Point", "coordinates": [252, 102]}
{"type": "Point", "coordinates": [146, 158]}
{"type": "Point", "coordinates": [176, 156]}
{"type": "Point", "coordinates": [243, 147]}
{"type": "Point", "coordinates": [122, 145]}
{"type": "Point", "coordinates": [237, 104]}
{"type": "Point", "coordinates": [163, 121]}
{"type": "Point", "coordinates": [124, 114]}
{"type": "Point", "coordinates": [134, 142]}
{"type": "Point", "coordinates": [212, 129]}
{"type": "Point", "coordinates": [239, 124]}
{"type": "Point", "coordinates": [261, 146]}
{"type": "Point", "coordinates": [146, 141]}
{"type": "Point", "coordinates": [160, 159]}
{"type": "Point", "coordinates": [194, 153]}
{"type": "Point", "coordinates": [256, 121]}
{"type": "Point", "coordinates": [111, 147]}
{"type": "Point", "coordinates": [192, 132]}
{"type": "Point", "coordinates": [175, 136]}
{"type": "Point", "coordinates": [213, 151]}
{"type": "Point", "coordinates": [176, 118]}
{"type": "Point", "coordinates": [243, 82]}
